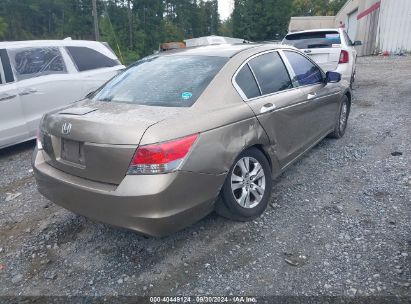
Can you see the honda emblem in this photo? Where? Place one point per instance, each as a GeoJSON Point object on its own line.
{"type": "Point", "coordinates": [66, 128]}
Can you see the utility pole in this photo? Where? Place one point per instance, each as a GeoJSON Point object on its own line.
{"type": "Point", "coordinates": [130, 24]}
{"type": "Point", "coordinates": [95, 17]}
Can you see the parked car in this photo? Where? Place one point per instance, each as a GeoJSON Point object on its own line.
{"type": "Point", "coordinates": [182, 133]}
{"type": "Point", "coordinates": [331, 49]}
{"type": "Point", "coordinates": [39, 76]}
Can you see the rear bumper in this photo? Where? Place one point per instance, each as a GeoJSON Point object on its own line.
{"type": "Point", "coordinates": [153, 205]}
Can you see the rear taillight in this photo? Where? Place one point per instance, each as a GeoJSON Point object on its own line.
{"type": "Point", "coordinates": [161, 158]}
{"type": "Point", "coordinates": [38, 140]}
{"type": "Point", "coordinates": [344, 57]}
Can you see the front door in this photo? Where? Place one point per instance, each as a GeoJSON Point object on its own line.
{"type": "Point", "coordinates": [323, 99]}
{"type": "Point", "coordinates": [12, 123]}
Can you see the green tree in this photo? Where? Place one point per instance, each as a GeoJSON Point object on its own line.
{"type": "Point", "coordinates": [226, 28]}
{"type": "Point", "coordinates": [317, 7]}
{"type": "Point", "coordinates": [3, 27]}
{"type": "Point", "coordinates": [261, 20]}
{"type": "Point", "coordinates": [135, 28]}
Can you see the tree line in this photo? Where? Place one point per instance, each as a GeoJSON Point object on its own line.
{"type": "Point", "coordinates": [268, 19]}
{"type": "Point", "coordinates": [135, 28]}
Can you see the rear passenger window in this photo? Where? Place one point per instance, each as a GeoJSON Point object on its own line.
{"type": "Point", "coordinates": [33, 62]}
{"type": "Point", "coordinates": [271, 74]}
{"type": "Point", "coordinates": [306, 73]}
{"type": "Point", "coordinates": [246, 81]}
{"type": "Point", "coordinates": [88, 59]}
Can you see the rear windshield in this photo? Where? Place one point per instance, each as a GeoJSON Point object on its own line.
{"type": "Point", "coordinates": [312, 40]}
{"type": "Point", "coordinates": [168, 81]}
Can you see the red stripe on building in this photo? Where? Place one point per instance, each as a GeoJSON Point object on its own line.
{"type": "Point", "coordinates": [369, 10]}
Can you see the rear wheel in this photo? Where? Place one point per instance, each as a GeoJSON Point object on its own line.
{"type": "Point", "coordinates": [342, 121]}
{"type": "Point", "coordinates": [247, 189]}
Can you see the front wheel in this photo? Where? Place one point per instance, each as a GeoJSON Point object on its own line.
{"type": "Point", "coordinates": [342, 121]}
{"type": "Point", "coordinates": [247, 189]}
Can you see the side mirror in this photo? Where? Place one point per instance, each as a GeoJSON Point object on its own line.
{"type": "Point", "coordinates": [332, 77]}
{"type": "Point", "coordinates": [357, 43]}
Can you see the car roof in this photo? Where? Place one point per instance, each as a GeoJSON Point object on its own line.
{"type": "Point", "coordinates": [224, 50]}
{"type": "Point", "coordinates": [96, 45]}
{"type": "Point", "coordinates": [316, 30]}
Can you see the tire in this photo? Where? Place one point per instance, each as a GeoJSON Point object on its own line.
{"type": "Point", "coordinates": [342, 120]}
{"type": "Point", "coordinates": [352, 80]}
{"type": "Point", "coordinates": [233, 204]}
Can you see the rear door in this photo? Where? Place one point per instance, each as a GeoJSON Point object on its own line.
{"type": "Point", "coordinates": [43, 82]}
{"type": "Point", "coordinates": [322, 98]}
{"type": "Point", "coordinates": [12, 123]}
{"type": "Point", "coordinates": [267, 87]}
{"type": "Point", "coordinates": [324, 47]}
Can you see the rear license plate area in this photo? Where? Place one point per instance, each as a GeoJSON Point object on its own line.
{"type": "Point", "coordinates": [72, 151]}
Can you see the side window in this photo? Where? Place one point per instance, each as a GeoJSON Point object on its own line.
{"type": "Point", "coordinates": [271, 74]}
{"type": "Point", "coordinates": [347, 38]}
{"type": "Point", "coordinates": [88, 59]}
{"type": "Point", "coordinates": [34, 62]}
{"type": "Point", "coordinates": [247, 83]}
{"type": "Point", "coordinates": [306, 73]}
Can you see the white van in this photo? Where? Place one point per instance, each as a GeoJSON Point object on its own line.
{"type": "Point", "coordinates": [39, 76]}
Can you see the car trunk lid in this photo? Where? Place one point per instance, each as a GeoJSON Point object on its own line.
{"type": "Point", "coordinates": [323, 46]}
{"type": "Point", "coordinates": [97, 140]}
{"type": "Point", "coordinates": [326, 58]}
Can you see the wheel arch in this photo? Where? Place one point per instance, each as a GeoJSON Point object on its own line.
{"type": "Point", "coordinates": [270, 156]}
{"type": "Point", "coordinates": [348, 93]}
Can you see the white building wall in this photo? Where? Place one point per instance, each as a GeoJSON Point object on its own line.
{"type": "Point", "coordinates": [367, 13]}
{"type": "Point", "coordinates": [310, 23]}
{"type": "Point", "coordinates": [382, 25]}
{"type": "Point", "coordinates": [342, 16]}
{"type": "Point", "coordinates": [394, 30]}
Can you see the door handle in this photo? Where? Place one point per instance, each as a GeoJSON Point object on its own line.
{"type": "Point", "coordinates": [7, 97]}
{"type": "Point", "coordinates": [268, 107]}
{"type": "Point", "coordinates": [311, 96]}
{"type": "Point", "coordinates": [28, 92]}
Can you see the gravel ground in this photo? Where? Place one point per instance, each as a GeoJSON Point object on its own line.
{"type": "Point", "coordinates": [338, 224]}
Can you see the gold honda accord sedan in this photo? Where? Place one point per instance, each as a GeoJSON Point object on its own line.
{"type": "Point", "coordinates": [182, 133]}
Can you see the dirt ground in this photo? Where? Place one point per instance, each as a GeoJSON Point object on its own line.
{"type": "Point", "coordinates": [338, 223]}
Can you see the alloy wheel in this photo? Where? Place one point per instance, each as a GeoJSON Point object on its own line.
{"type": "Point", "coordinates": [248, 182]}
{"type": "Point", "coordinates": [343, 117]}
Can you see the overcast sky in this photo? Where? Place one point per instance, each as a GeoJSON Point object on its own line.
{"type": "Point", "coordinates": [224, 8]}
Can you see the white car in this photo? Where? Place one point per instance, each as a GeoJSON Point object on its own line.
{"type": "Point", "coordinates": [39, 76]}
{"type": "Point", "coordinates": [331, 49]}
